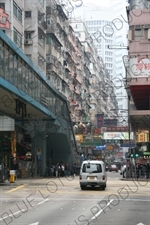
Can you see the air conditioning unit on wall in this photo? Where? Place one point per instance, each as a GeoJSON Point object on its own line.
{"type": "Point", "coordinates": [28, 42]}
{"type": "Point", "coordinates": [137, 27]}
{"type": "Point", "coordinates": [130, 35]}
{"type": "Point", "coordinates": [148, 34]}
{"type": "Point", "coordinates": [146, 26]}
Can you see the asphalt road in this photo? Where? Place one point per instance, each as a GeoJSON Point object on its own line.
{"type": "Point", "coordinates": [61, 202]}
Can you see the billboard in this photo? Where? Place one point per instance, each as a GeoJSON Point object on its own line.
{"type": "Point", "coordinates": [139, 67]}
{"type": "Point", "coordinates": [117, 136]}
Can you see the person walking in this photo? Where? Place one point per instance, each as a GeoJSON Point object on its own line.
{"type": "Point", "coordinates": [56, 169]}
{"type": "Point", "coordinates": [74, 169]}
{"type": "Point", "coordinates": [138, 170]}
{"type": "Point", "coordinates": [123, 171]}
{"type": "Point", "coordinates": [147, 170]}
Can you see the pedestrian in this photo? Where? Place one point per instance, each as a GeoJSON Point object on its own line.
{"type": "Point", "coordinates": [56, 169]}
{"type": "Point", "coordinates": [62, 170]}
{"type": "Point", "coordinates": [123, 170]}
{"type": "Point", "coordinates": [147, 170]}
{"type": "Point", "coordinates": [74, 169]}
{"type": "Point", "coordinates": [59, 170]}
{"type": "Point", "coordinates": [138, 169]}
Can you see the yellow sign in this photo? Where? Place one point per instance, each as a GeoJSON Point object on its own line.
{"type": "Point", "coordinates": [79, 138]}
{"type": "Point", "coordinates": [109, 147]}
{"type": "Point", "coordinates": [143, 137]}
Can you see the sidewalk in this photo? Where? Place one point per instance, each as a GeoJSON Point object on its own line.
{"type": "Point", "coordinates": [38, 181]}
{"type": "Point", "coordinates": [135, 179]}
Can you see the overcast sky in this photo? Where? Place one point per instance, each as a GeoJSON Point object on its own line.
{"type": "Point", "coordinates": [98, 2]}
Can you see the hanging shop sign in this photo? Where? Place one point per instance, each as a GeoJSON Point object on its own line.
{"type": "Point", "coordinates": [4, 22]}
{"type": "Point", "coordinates": [139, 67]}
{"type": "Point", "coordinates": [7, 124]}
{"type": "Point", "coordinates": [117, 135]}
{"type": "Point", "coordinates": [143, 137]}
{"type": "Point", "coordinates": [109, 147]}
{"type": "Point", "coordinates": [79, 138]}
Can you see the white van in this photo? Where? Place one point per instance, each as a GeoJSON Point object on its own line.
{"type": "Point", "coordinates": [93, 173]}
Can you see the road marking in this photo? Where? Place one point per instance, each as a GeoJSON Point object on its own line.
{"type": "Point", "coordinates": [9, 215]}
{"type": "Point", "coordinates": [98, 213]}
{"type": "Point", "coordinates": [42, 202]}
{"type": "Point", "coordinates": [140, 224]}
{"type": "Point", "coordinates": [34, 223]}
{"type": "Point", "coordinates": [17, 188]}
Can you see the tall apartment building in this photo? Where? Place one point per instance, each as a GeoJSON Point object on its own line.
{"type": "Point", "coordinates": [28, 28]}
{"type": "Point", "coordinates": [98, 22]}
{"type": "Point", "coordinates": [104, 23]}
{"type": "Point", "coordinates": [102, 90]}
{"type": "Point", "coordinates": [120, 26]}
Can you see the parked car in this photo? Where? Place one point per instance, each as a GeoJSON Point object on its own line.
{"type": "Point", "coordinates": [113, 168]}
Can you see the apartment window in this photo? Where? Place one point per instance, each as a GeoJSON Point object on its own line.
{"type": "Point", "coordinates": [41, 61]}
{"type": "Point", "coordinates": [17, 38]}
{"type": "Point", "coordinates": [29, 56]}
{"type": "Point", "coordinates": [2, 5]}
{"type": "Point", "coordinates": [27, 14]}
{"type": "Point", "coordinates": [28, 35]}
{"type": "Point", "coordinates": [41, 2]}
{"type": "Point", "coordinates": [41, 40]}
{"type": "Point", "coordinates": [17, 11]}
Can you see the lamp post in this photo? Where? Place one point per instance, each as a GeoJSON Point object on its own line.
{"type": "Point", "coordinates": [125, 59]}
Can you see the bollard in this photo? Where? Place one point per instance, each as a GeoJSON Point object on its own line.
{"type": "Point", "coordinates": [12, 176]}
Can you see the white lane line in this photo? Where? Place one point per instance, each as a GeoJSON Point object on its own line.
{"type": "Point", "coordinates": [5, 217]}
{"type": "Point", "coordinates": [21, 210]}
{"type": "Point", "coordinates": [43, 201]}
{"type": "Point", "coordinates": [98, 213]}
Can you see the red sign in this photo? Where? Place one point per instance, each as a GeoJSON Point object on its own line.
{"type": "Point", "coordinates": [4, 22]}
{"type": "Point", "coordinates": [100, 118]}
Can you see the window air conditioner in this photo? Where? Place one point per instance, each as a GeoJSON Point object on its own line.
{"type": "Point", "coordinates": [28, 42]}
{"type": "Point", "coordinates": [130, 35]}
{"type": "Point", "coordinates": [149, 34]}
{"type": "Point", "coordinates": [146, 26]}
{"type": "Point", "coordinates": [137, 27]}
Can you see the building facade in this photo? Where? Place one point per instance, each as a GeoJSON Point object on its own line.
{"type": "Point", "coordinates": [108, 27]}
{"type": "Point", "coordinates": [138, 72]}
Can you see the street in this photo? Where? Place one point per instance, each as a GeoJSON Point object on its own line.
{"type": "Point", "coordinates": [60, 201]}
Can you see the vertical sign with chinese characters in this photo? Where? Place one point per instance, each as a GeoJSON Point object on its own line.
{"type": "Point", "coordinates": [4, 22]}
{"type": "Point", "coordinates": [100, 120]}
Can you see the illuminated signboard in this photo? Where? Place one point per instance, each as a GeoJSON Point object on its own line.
{"type": "Point", "coordinates": [117, 136]}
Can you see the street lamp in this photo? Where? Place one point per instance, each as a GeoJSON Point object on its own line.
{"type": "Point", "coordinates": [126, 65]}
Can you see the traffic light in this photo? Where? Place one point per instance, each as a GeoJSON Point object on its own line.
{"type": "Point", "coordinates": [131, 153]}
{"type": "Point", "coordinates": [5, 145]}
{"type": "Point", "coordinates": [135, 153]}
